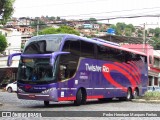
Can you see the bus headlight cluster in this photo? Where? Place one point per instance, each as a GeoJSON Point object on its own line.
{"type": "Point", "coordinates": [48, 90]}
{"type": "Point", "coordinates": [20, 90]}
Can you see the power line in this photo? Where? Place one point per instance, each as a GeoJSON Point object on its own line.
{"type": "Point", "coordinates": [128, 10]}
{"type": "Point", "coordinates": [63, 4]}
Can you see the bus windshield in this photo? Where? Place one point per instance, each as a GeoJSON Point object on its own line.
{"type": "Point", "coordinates": [39, 70]}
{"type": "Point", "coordinates": [43, 46]}
{"type": "Point", "coordinates": [35, 70]}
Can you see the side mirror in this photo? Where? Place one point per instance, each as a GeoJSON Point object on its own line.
{"type": "Point", "coordinates": [9, 61]}
{"type": "Point", "coordinates": [54, 55]}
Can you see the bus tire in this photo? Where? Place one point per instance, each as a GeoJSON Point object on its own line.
{"type": "Point", "coordinates": [46, 103]}
{"type": "Point", "coordinates": [84, 96]}
{"type": "Point", "coordinates": [78, 100]}
{"type": "Point", "coordinates": [129, 94]}
{"type": "Point", "coordinates": [135, 93]}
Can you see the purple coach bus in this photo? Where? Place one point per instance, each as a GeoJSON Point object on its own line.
{"type": "Point", "coordinates": [64, 67]}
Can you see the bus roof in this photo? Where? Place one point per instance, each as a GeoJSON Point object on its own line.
{"type": "Point", "coordinates": [91, 40]}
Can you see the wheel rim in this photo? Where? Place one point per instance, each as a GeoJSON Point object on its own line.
{"type": "Point", "coordinates": [9, 90]}
{"type": "Point", "coordinates": [135, 94]}
{"type": "Point", "coordinates": [129, 95]}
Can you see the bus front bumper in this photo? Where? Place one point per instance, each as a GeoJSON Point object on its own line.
{"type": "Point", "coordinates": [49, 95]}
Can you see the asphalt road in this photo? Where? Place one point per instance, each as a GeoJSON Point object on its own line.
{"type": "Point", "coordinates": [12, 103]}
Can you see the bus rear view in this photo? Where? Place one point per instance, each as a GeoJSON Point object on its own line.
{"type": "Point", "coordinates": [63, 67]}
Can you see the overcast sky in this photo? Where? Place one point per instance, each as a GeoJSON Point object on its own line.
{"type": "Point", "coordinates": [84, 9]}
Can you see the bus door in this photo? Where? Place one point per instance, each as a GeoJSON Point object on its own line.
{"type": "Point", "coordinates": [67, 71]}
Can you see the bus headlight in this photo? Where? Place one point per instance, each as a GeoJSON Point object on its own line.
{"type": "Point", "coordinates": [19, 90]}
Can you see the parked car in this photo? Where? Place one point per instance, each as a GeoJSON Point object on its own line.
{"type": "Point", "coordinates": [12, 87]}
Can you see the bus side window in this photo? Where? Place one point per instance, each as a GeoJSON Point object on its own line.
{"type": "Point", "coordinates": [110, 54]}
{"type": "Point", "coordinates": [87, 50]}
{"type": "Point", "coordinates": [71, 60]}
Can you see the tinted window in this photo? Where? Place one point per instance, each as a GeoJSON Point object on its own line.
{"type": "Point", "coordinates": [36, 48]}
{"type": "Point", "coordinates": [87, 49]}
{"type": "Point", "coordinates": [110, 54]}
{"type": "Point", "coordinates": [71, 60]}
{"type": "Point", "coordinates": [67, 66]}
{"type": "Point", "coordinates": [73, 47]}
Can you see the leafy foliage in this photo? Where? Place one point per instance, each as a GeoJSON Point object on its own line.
{"type": "Point", "coordinates": [3, 43]}
{"type": "Point", "coordinates": [62, 29]}
{"type": "Point", "coordinates": [154, 95]}
{"type": "Point", "coordinates": [123, 29]}
{"type": "Point", "coordinates": [93, 20]}
{"type": "Point", "coordinates": [6, 10]}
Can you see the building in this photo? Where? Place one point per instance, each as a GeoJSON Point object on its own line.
{"type": "Point", "coordinates": [153, 57]}
{"type": "Point", "coordinates": [14, 46]}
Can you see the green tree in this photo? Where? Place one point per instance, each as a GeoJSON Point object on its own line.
{"type": "Point", "coordinates": [131, 27]}
{"type": "Point", "coordinates": [93, 20]}
{"type": "Point", "coordinates": [120, 27]}
{"type": "Point", "coordinates": [49, 30]}
{"type": "Point", "coordinates": [156, 43]}
{"type": "Point", "coordinates": [140, 33]}
{"type": "Point", "coordinates": [123, 29]}
{"type": "Point", "coordinates": [113, 26]}
{"type": "Point", "coordinates": [6, 10]}
{"type": "Point", "coordinates": [128, 31]}
{"type": "Point", "coordinates": [62, 29]}
{"type": "Point", "coordinates": [151, 30]}
{"type": "Point", "coordinates": [157, 32]}
{"type": "Point", "coordinates": [58, 18]}
{"type": "Point", "coordinates": [3, 43]}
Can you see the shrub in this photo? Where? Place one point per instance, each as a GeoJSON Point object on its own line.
{"type": "Point", "coordinates": [152, 95]}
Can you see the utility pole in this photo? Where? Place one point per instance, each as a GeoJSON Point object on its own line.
{"type": "Point", "coordinates": [37, 26]}
{"type": "Point", "coordinates": [144, 36]}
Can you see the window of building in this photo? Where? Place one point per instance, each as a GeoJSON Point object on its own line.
{"type": "Point", "coordinates": [156, 62]}
{"type": "Point", "coordinates": [156, 81]}
{"type": "Point", "coordinates": [150, 81]}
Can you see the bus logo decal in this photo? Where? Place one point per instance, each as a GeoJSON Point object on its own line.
{"type": "Point", "coordinates": [109, 78]}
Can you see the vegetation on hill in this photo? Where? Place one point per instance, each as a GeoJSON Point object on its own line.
{"type": "Point", "coordinates": [62, 29]}
{"type": "Point", "coordinates": [129, 30]}
{"type": "Point", "coordinates": [6, 10]}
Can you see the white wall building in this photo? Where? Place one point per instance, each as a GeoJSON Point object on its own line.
{"type": "Point", "coordinates": [13, 39]}
{"type": "Point", "coordinates": [14, 46]}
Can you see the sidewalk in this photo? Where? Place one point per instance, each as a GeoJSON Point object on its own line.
{"type": "Point", "coordinates": [1, 90]}
{"type": "Point", "coordinates": [145, 101]}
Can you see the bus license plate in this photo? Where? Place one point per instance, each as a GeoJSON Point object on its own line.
{"type": "Point", "coordinates": [32, 96]}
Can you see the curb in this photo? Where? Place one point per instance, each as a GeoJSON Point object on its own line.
{"type": "Point", "coordinates": [145, 101]}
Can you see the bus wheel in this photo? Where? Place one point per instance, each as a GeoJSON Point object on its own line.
{"type": "Point", "coordinates": [78, 100]}
{"type": "Point", "coordinates": [46, 103]}
{"type": "Point", "coordinates": [129, 94]}
{"type": "Point", "coordinates": [84, 97]}
{"type": "Point", "coordinates": [135, 94]}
